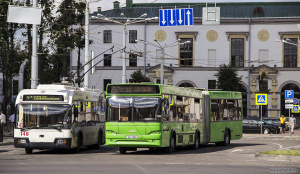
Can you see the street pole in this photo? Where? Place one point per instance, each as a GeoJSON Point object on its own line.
{"type": "Point", "coordinates": [86, 57]}
{"type": "Point", "coordinates": [162, 65]}
{"type": "Point", "coordinates": [124, 54]}
{"type": "Point", "coordinates": [34, 58]}
{"type": "Point", "coordinates": [139, 19]}
{"type": "Point", "coordinates": [289, 121]}
{"type": "Point", "coordinates": [261, 119]}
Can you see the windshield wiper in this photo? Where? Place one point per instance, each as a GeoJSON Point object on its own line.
{"type": "Point", "coordinates": [31, 127]}
{"type": "Point", "coordinates": [56, 127]}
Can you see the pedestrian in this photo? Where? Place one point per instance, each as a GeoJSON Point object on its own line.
{"type": "Point", "coordinates": [282, 124]}
{"type": "Point", "coordinates": [12, 123]}
{"type": "Point", "coordinates": [2, 118]}
{"type": "Point", "coordinates": [292, 123]}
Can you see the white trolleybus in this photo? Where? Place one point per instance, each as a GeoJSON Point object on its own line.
{"type": "Point", "coordinates": [59, 117]}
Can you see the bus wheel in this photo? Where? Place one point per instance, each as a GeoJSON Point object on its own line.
{"type": "Point", "coordinates": [196, 145]}
{"type": "Point", "coordinates": [28, 150]}
{"type": "Point", "coordinates": [226, 138]}
{"type": "Point", "coordinates": [171, 148]}
{"type": "Point", "coordinates": [122, 150]}
{"type": "Point", "coordinates": [79, 144]}
{"type": "Point", "coordinates": [99, 140]}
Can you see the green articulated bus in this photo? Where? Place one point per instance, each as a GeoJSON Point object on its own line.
{"type": "Point", "coordinates": [142, 115]}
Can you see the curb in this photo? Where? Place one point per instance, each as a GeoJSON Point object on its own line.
{"type": "Point", "coordinates": [6, 143]}
{"type": "Point", "coordinates": [278, 157]}
{"type": "Point", "coordinates": [271, 135]}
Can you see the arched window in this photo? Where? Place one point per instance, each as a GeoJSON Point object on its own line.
{"type": "Point", "coordinates": [296, 90]}
{"type": "Point", "coordinates": [258, 12]}
{"type": "Point", "coordinates": [186, 85]}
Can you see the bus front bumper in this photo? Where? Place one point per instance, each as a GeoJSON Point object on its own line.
{"type": "Point", "coordinates": [133, 143]}
{"type": "Point", "coordinates": [59, 143]}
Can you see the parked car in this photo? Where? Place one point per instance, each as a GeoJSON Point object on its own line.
{"type": "Point", "coordinates": [276, 121]}
{"type": "Point", "coordinates": [254, 126]}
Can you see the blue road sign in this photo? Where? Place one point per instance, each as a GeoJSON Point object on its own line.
{"type": "Point", "coordinates": [176, 17]}
{"type": "Point", "coordinates": [295, 101]}
{"type": "Point", "coordinates": [261, 99]}
{"type": "Point", "coordinates": [295, 109]}
{"type": "Point", "coordinates": [289, 94]}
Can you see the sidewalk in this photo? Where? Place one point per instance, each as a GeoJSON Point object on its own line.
{"type": "Point", "coordinates": [7, 139]}
{"type": "Point", "coordinates": [286, 134]}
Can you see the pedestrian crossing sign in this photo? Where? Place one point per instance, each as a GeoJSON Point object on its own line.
{"type": "Point", "coordinates": [295, 109]}
{"type": "Point", "coordinates": [261, 99]}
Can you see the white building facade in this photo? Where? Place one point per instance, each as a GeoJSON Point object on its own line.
{"type": "Point", "coordinates": [248, 37]}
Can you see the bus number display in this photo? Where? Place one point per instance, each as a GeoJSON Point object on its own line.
{"type": "Point", "coordinates": [43, 98]}
{"type": "Point", "coordinates": [25, 134]}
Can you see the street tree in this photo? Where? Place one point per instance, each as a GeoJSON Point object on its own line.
{"type": "Point", "coordinates": [138, 77]}
{"type": "Point", "coordinates": [10, 52]}
{"type": "Point", "coordinates": [227, 78]}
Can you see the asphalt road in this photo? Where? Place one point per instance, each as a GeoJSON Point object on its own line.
{"type": "Point", "coordinates": [239, 157]}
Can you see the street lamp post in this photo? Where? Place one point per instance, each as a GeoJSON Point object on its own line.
{"type": "Point", "coordinates": [86, 43]}
{"type": "Point", "coordinates": [128, 22]}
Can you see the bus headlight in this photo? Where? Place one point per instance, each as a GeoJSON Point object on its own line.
{"type": "Point", "coordinates": [154, 132]}
{"type": "Point", "coordinates": [109, 131]}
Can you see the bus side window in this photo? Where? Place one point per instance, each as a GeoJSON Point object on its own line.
{"type": "Point", "coordinates": [179, 105]}
{"type": "Point", "coordinates": [75, 115]}
{"type": "Point", "coordinates": [166, 106]}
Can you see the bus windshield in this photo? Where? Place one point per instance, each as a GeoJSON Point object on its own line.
{"type": "Point", "coordinates": [45, 115]}
{"type": "Point", "coordinates": [134, 109]}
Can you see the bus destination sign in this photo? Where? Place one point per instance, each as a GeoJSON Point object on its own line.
{"type": "Point", "coordinates": [133, 89]}
{"type": "Point", "coordinates": [43, 98]}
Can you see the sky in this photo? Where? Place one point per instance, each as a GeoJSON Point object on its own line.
{"type": "Point", "coordinates": [108, 4]}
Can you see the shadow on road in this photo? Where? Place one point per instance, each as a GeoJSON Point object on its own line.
{"type": "Point", "coordinates": [210, 148]}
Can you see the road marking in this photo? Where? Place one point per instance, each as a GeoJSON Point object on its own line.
{"type": "Point", "coordinates": [237, 150]}
{"type": "Point", "coordinates": [141, 168]}
{"type": "Point", "coordinates": [280, 146]}
{"type": "Point", "coordinates": [292, 147]}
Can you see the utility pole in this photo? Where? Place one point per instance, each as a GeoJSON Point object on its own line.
{"type": "Point", "coordinates": [34, 58]}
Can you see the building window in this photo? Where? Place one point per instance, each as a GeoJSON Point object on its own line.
{"type": "Point", "coordinates": [105, 82]}
{"type": "Point", "coordinates": [107, 36]}
{"type": "Point", "coordinates": [132, 36]}
{"type": "Point", "coordinates": [132, 60]}
{"type": "Point", "coordinates": [186, 51]}
{"type": "Point", "coordinates": [212, 84]}
{"type": "Point", "coordinates": [237, 52]}
{"type": "Point", "coordinates": [107, 59]}
{"type": "Point", "coordinates": [258, 12]}
{"type": "Point", "coordinates": [290, 52]}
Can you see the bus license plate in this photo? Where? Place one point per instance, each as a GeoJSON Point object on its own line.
{"type": "Point", "coordinates": [131, 137]}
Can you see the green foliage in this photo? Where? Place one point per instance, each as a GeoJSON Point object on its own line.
{"type": "Point", "coordinates": [295, 152]}
{"type": "Point", "coordinates": [228, 79]}
{"type": "Point", "coordinates": [11, 54]}
{"type": "Point", "coordinates": [138, 77]}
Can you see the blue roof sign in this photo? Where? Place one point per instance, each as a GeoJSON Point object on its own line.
{"type": "Point", "coordinates": [176, 17]}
